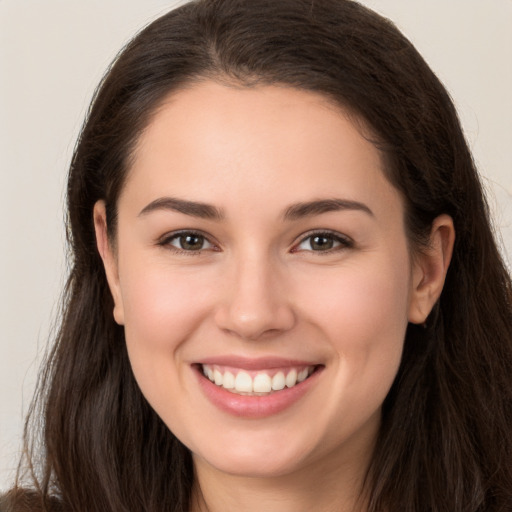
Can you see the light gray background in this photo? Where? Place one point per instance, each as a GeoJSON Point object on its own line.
{"type": "Point", "coordinates": [52, 55]}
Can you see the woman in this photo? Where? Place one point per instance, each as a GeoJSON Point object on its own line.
{"type": "Point", "coordinates": [285, 290]}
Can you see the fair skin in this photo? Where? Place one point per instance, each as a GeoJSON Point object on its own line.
{"type": "Point", "coordinates": [298, 263]}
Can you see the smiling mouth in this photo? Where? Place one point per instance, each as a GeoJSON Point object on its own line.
{"type": "Point", "coordinates": [256, 383]}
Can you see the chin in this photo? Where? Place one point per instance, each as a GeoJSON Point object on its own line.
{"type": "Point", "coordinates": [263, 456]}
{"type": "Point", "coordinates": [253, 465]}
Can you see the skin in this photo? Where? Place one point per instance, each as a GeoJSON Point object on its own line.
{"type": "Point", "coordinates": [259, 288]}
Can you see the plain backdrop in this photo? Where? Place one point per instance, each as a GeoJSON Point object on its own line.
{"type": "Point", "coordinates": [52, 55]}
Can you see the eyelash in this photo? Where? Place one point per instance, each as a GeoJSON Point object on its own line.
{"type": "Point", "coordinates": [343, 242]}
{"type": "Point", "coordinates": [167, 240]}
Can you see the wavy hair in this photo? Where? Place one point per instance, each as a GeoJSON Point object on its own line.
{"type": "Point", "coordinates": [445, 442]}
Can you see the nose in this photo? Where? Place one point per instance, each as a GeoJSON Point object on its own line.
{"type": "Point", "coordinates": [255, 305]}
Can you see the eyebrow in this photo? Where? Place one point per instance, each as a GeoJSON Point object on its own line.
{"type": "Point", "coordinates": [193, 208]}
{"type": "Point", "coordinates": [300, 210]}
{"type": "Point", "coordinates": [293, 212]}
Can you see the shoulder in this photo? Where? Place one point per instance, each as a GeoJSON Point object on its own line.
{"type": "Point", "coordinates": [24, 500]}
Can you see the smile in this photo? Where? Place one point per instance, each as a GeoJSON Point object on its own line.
{"type": "Point", "coordinates": [256, 383]}
{"type": "Point", "coordinates": [256, 388]}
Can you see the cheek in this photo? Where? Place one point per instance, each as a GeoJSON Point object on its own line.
{"type": "Point", "coordinates": [162, 305]}
{"type": "Point", "coordinates": [361, 300]}
{"type": "Point", "coordinates": [162, 311]}
{"type": "Point", "coordinates": [363, 314]}
{"type": "Point", "coordinates": [163, 308]}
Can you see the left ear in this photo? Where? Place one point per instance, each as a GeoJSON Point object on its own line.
{"type": "Point", "coordinates": [429, 269]}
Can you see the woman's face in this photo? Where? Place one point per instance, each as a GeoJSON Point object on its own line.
{"type": "Point", "coordinates": [260, 243]}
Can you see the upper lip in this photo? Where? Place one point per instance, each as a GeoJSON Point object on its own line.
{"type": "Point", "coordinates": [258, 363]}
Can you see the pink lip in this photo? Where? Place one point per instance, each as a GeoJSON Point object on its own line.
{"type": "Point", "coordinates": [253, 407]}
{"type": "Point", "coordinates": [262, 363]}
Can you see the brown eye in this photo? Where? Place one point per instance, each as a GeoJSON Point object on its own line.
{"type": "Point", "coordinates": [188, 241]}
{"type": "Point", "coordinates": [324, 242]}
{"type": "Point", "coordinates": [321, 243]}
{"type": "Point", "coordinates": [191, 242]}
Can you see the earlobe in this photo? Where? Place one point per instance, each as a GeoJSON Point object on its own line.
{"type": "Point", "coordinates": [109, 260]}
{"type": "Point", "coordinates": [430, 268]}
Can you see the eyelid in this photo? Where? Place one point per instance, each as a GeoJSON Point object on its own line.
{"type": "Point", "coordinates": [345, 241]}
{"type": "Point", "coordinates": [165, 241]}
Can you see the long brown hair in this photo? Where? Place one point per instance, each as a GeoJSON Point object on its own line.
{"type": "Point", "coordinates": [446, 438]}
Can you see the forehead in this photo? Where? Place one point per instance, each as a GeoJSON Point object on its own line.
{"type": "Point", "coordinates": [267, 141]}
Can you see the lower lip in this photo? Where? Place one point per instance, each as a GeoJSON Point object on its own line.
{"type": "Point", "coordinates": [247, 406]}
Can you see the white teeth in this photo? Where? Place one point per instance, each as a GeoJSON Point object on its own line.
{"type": "Point", "coordinates": [217, 377]}
{"type": "Point", "coordinates": [243, 382]}
{"type": "Point", "coordinates": [302, 375]}
{"type": "Point", "coordinates": [278, 381]}
{"type": "Point", "coordinates": [229, 381]}
{"type": "Point", "coordinates": [262, 383]}
{"type": "Point", "coordinates": [291, 379]}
